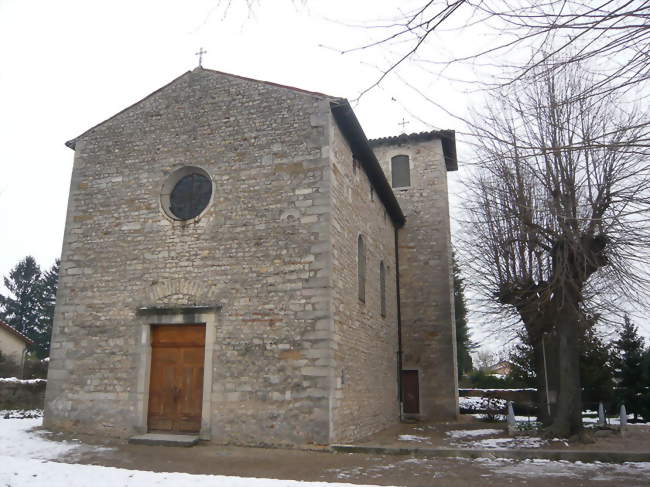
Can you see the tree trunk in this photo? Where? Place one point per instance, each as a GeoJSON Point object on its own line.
{"type": "Point", "coordinates": [567, 418]}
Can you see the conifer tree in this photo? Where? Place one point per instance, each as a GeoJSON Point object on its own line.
{"type": "Point", "coordinates": [42, 333]}
{"type": "Point", "coordinates": [29, 305]}
{"type": "Point", "coordinates": [522, 361]}
{"type": "Point", "coordinates": [628, 362]}
{"type": "Point", "coordinates": [21, 308]}
{"type": "Point", "coordinates": [596, 372]}
{"type": "Point", "coordinates": [644, 409]}
{"type": "Point", "coordinates": [463, 341]}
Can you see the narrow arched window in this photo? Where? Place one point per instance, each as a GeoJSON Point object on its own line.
{"type": "Point", "coordinates": [361, 268]}
{"type": "Point", "coordinates": [400, 170]}
{"type": "Point", "coordinates": [382, 288]}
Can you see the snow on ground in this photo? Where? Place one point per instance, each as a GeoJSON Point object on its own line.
{"type": "Point", "coordinates": [501, 417]}
{"type": "Point", "coordinates": [412, 438]}
{"type": "Point", "coordinates": [498, 443]}
{"type": "Point", "coordinates": [465, 390]}
{"type": "Point", "coordinates": [21, 472]}
{"type": "Point", "coordinates": [480, 403]}
{"type": "Point", "coordinates": [472, 433]}
{"type": "Point", "coordinates": [24, 454]}
{"type": "Point", "coordinates": [516, 442]}
{"type": "Point", "coordinates": [595, 471]}
{"type": "Point", "coordinates": [438, 468]}
{"type": "Point", "coordinates": [20, 413]}
{"type": "Point", "coordinates": [16, 380]}
{"type": "Point", "coordinates": [613, 420]}
{"type": "Point", "coordinates": [16, 440]}
{"type": "Point", "coordinates": [585, 419]}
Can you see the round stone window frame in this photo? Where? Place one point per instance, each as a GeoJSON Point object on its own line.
{"type": "Point", "coordinates": [170, 183]}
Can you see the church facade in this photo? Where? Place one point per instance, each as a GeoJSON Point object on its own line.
{"type": "Point", "coordinates": [241, 263]}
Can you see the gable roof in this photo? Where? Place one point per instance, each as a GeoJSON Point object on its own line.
{"type": "Point", "coordinates": [345, 119]}
{"type": "Point", "coordinates": [448, 138]}
{"type": "Point", "coordinates": [13, 331]}
{"type": "Point", "coordinates": [72, 142]}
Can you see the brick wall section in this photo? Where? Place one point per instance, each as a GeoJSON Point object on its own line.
{"type": "Point", "coordinates": [365, 343]}
{"type": "Point", "coordinates": [428, 328]}
{"type": "Point", "coordinates": [261, 250]}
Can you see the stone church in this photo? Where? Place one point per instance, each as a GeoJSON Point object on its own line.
{"type": "Point", "coordinates": [242, 264]}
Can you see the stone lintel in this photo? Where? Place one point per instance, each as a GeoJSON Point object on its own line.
{"type": "Point", "coordinates": [173, 310]}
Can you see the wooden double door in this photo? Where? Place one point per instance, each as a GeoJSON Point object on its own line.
{"type": "Point", "coordinates": [176, 378]}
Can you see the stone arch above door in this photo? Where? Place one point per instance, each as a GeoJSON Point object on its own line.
{"type": "Point", "coordinates": [178, 292]}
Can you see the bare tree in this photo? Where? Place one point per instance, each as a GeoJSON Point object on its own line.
{"type": "Point", "coordinates": [558, 211]}
{"type": "Point", "coordinates": [485, 359]}
{"type": "Point", "coordinates": [529, 35]}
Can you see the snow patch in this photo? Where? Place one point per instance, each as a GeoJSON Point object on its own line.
{"type": "Point", "coordinates": [472, 433]}
{"type": "Point", "coordinates": [17, 439]}
{"type": "Point", "coordinates": [412, 438]}
{"type": "Point", "coordinates": [494, 443]}
{"type": "Point", "coordinates": [24, 455]}
{"type": "Point", "coordinates": [16, 380]}
{"type": "Point", "coordinates": [479, 402]}
{"type": "Point", "coordinates": [538, 468]}
{"type": "Point", "coordinates": [21, 472]}
{"type": "Point", "coordinates": [461, 391]}
{"type": "Point", "coordinates": [21, 413]}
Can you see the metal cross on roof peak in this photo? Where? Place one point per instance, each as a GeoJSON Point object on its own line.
{"type": "Point", "coordinates": [200, 54]}
{"type": "Point", "coordinates": [403, 123]}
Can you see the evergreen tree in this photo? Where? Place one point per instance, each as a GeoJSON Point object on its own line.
{"type": "Point", "coordinates": [22, 307]}
{"type": "Point", "coordinates": [463, 341]}
{"type": "Point", "coordinates": [29, 305]}
{"type": "Point", "coordinates": [596, 371]}
{"type": "Point", "coordinates": [644, 409]}
{"type": "Point", "coordinates": [522, 361]}
{"type": "Point", "coordinates": [628, 362]}
{"type": "Point", "coordinates": [43, 331]}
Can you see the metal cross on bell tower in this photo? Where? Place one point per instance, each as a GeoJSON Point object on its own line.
{"type": "Point", "coordinates": [403, 123]}
{"type": "Point", "coordinates": [200, 54]}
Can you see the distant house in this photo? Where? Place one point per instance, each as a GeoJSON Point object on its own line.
{"type": "Point", "coordinates": [500, 368]}
{"type": "Point", "coordinates": [13, 344]}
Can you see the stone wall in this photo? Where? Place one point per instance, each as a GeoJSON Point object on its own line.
{"type": "Point", "coordinates": [261, 251]}
{"type": "Point", "coordinates": [365, 343]}
{"type": "Point", "coordinates": [426, 288]}
{"type": "Point", "coordinates": [22, 394]}
{"type": "Point", "coordinates": [270, 267]}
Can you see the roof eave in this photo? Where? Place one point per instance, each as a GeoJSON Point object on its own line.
{"type": "Point", "coordinates": [16, 333]}
{"type": "Point", "coordinates": [449, 150]}
{"type": "Point", "coordinates": [361, 150]}
{"type": "Point", "coordinates": [73, 142]}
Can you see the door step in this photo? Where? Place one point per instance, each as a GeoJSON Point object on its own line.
{"type": "Point", "coordinates": [162, 439]}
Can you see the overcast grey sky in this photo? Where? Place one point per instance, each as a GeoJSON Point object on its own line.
{"type": "Point", "coordinates": [67, 65]}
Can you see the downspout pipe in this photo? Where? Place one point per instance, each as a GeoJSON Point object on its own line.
{"type": "Point", "coordinates": [399, 328]}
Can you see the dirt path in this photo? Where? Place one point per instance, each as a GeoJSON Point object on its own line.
{"type": "Point", "coordinates": [357, 468]}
